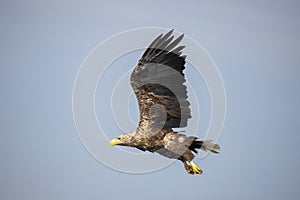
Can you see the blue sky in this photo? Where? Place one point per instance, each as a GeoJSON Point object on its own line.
{"type": "Point", "coordinates": [255, 45]}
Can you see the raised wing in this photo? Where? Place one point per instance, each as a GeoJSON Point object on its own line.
{"type": "Point", "coordinates": [158, 83]}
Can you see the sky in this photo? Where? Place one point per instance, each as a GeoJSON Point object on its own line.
{"type": "Point", "coordinates": [255, 45]}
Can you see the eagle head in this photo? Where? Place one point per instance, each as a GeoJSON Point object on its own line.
{"type": "Point", "coordinates": [124, 140]}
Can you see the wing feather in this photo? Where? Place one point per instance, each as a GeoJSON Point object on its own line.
{"type": "Point", "coordinates": [158, 82]}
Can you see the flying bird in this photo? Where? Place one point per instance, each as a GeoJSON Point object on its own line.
{"type": "Point", "coordinates": [158, 83]}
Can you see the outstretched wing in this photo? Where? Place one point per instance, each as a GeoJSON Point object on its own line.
{"type": "Point", "coordinates": [158, 83]}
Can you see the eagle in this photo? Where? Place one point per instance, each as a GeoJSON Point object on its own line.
{"type": "Point", "coordinates": [159, 85]}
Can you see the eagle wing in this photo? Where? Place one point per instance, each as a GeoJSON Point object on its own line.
{"type": "Point", "coordinates": [158, 83]}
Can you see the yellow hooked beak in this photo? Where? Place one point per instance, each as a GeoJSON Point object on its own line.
{"type": "Point", "coordinates": [114, 142]}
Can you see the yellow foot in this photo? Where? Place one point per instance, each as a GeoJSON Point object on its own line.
{"type": "Point", "coordinates": [188, 168]}
{"type": "Point", "coordinates": [195, 168]}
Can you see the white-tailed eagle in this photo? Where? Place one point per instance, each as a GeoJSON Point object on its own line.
{"type": "Point", "coordinates": [158, 83]}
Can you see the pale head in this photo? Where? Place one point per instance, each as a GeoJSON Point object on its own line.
{"type": "Point", "coordinates": [124, 139]}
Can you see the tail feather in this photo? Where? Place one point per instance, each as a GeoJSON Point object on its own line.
{"type": "Point", "coordinates": [205, 145]}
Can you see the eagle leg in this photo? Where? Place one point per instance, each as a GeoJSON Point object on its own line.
{"type": "Point", "coordinates": [188, 168]}
{"type": "Point", "coordinates": [195, 168]}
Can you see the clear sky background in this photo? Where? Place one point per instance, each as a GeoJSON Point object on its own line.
{"type": "Point", "coordinates": [255, 45]}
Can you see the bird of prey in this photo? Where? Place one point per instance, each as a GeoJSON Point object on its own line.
{"type": "Point", "coordinates": [158, 83]}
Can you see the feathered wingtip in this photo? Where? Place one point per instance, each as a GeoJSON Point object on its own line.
{"type": "Point", "coordinates": [165, 42]}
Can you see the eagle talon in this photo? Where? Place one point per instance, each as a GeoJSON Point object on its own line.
{"type": "Point", "coordinates": [188, 168]}
{"type": "Point", "coordinates": [195, 168]}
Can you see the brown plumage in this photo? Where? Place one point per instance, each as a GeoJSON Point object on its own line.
{"type": "Point", "coordinates": [158, 83]}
